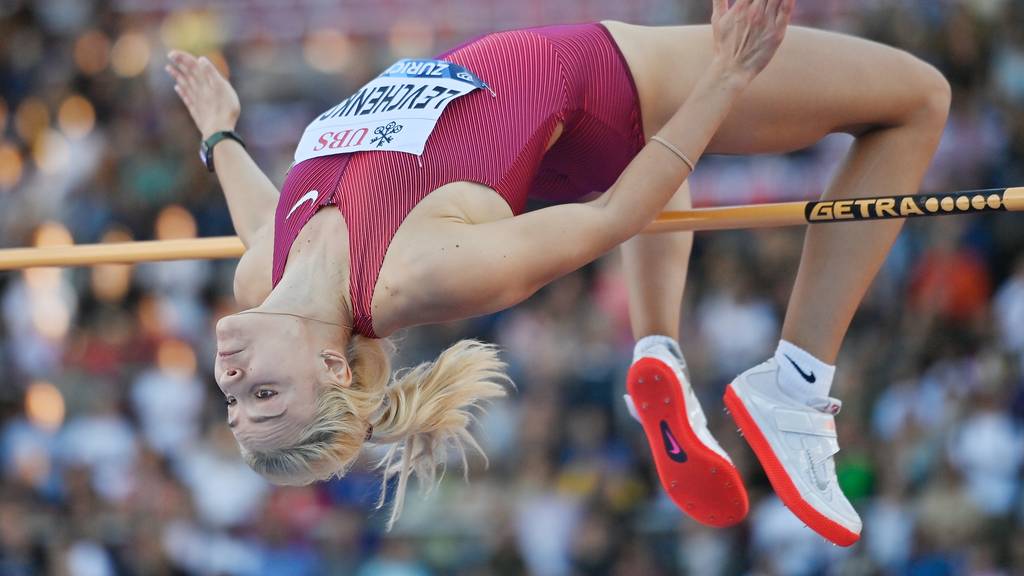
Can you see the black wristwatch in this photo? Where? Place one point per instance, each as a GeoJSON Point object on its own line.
{"type": "Point", "coordinates": [206, 148]}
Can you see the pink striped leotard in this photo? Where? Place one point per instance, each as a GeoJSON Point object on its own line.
{"type": "Point", "coordinates": [574, 75]}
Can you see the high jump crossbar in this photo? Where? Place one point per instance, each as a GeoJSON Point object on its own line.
{"type": "Point", "coordinates": [731, 217]}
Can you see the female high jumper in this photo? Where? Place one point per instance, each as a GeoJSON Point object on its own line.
{"type": "Point", "coordinates": [426, 171]}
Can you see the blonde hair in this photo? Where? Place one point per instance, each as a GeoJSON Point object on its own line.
{"type": "Point", "coordinates": [423, 412]}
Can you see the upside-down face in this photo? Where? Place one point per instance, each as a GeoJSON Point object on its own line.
{"type": "Point", "coordinates": [271, 370]}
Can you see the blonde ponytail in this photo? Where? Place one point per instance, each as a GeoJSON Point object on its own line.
{"type": "Point", "coordinates": [429, 408]}
{"type": "Point", "coordinates": [426, 410]}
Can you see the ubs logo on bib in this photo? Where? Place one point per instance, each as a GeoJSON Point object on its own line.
{"type": "Point", "coordinates": [349, 138]}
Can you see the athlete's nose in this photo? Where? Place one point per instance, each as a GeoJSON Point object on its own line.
{"type": "Point", "coordinates": [231, 374]}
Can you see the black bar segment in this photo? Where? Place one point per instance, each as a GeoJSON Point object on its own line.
{"type": "Point", "coordinates": [892, 207]}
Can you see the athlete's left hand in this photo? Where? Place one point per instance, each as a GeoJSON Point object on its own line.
{"type": "Point", "coordinates": [748, 33]}
{"type": "Point", "coordinates": [211, 100]}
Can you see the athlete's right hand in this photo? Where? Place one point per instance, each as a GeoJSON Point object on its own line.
{"type": "Point", "coordinates": [209, 97]}
{"type": "Point", "coordinates": [748, 33]}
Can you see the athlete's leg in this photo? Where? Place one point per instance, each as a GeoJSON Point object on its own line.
{"type": "Point", "coordinates": [818, 83]}
{"type": "Point", "coordinates": [694, 470]}
{"type": "Point", "coordinates": [655, 267]}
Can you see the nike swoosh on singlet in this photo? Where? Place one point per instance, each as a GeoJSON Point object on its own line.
{"type": "Point", "coordinates": [310, 196]}
{"type": "Point", "coordinates": [811, 378]}
{"type": "Point", "coordinates": [672, 447]}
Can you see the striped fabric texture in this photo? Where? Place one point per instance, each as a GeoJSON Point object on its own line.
{"type": "Point", "coordinates": [541, 77]}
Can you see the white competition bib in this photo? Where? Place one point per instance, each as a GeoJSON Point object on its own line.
{"type": "Point", "coordinates": [395, 111]}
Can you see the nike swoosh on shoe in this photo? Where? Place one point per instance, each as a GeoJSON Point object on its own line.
{"type": "Point", "coordinates": [675, 452]}
{"type": "Point", "coordinates": [695, 472]}
{"type": "Point", "coordinates": [795, 444]}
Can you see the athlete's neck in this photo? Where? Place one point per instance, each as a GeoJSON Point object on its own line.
{"type": "Point", "coordinates": [315, 284]}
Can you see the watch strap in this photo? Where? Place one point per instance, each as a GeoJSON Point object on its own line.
{"type": "Point", "coordinates": [213, 140]}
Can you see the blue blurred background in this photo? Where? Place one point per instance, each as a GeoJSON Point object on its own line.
{"type": "Point", "coordinates": [114, 456]}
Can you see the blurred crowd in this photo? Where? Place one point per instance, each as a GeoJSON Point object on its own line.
{"type": "Point", "coordinates": [114, 456]}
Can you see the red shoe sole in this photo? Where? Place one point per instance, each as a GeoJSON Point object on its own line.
{"type": "Point", "coordinates": [700, 482]}
{"type": "Point", "coordinates": [780, 480]}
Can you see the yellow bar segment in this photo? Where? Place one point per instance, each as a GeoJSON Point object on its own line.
{"type": "Point", "coordinates": [122, 253]}
{"type": "Point", "coordinates": [1013, 199]}
{"type": "Point", "coordinates": [733, 217]}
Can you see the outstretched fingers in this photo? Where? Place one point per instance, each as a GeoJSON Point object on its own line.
{"type": "Point", "coordinates": [183, 64]}
{"type": "Point", "coordinates": [719, 8]}
{"type": "Point", "coordinates": [209, 73]}
{"type": "Point", "coordinates": [180, 78]}
{"type": "Point", "coordinates": [785, 11]}
{"type": "Point", "coordinates": [183, 69]}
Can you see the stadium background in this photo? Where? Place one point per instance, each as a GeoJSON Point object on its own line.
{"type": "Point", "coordinates": [114, 456]}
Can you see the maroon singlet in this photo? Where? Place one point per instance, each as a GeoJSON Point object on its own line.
{"type": "Point", "coordinates": [540, 77]}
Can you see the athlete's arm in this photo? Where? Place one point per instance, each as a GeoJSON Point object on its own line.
{"type": "Point", "coordinates": [213, 105]}
{"type": "Point", "coordinates": [746, 37]}
{"type": "Point", "coordinates": [491, 266]}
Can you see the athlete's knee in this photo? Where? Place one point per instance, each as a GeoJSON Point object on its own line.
{"type": "Point", "coordinates": [933, 95]}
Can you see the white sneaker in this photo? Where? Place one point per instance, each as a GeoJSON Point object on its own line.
{"type": "Point", "coordinates": [795, 444]}
{"type": "Point", "coordinates": [693, 468]}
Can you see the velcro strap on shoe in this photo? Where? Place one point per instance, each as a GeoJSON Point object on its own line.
{"type": "Point", "coordinates": [827, 405]}
{"type": "Point", "coordinates": [802, 422]}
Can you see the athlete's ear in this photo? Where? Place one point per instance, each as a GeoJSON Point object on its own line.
{"type": "Point", "coordinates": [339, 373]}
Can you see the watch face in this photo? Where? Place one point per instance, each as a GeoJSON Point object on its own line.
{"type": "Point", "coordinates": [204, 153]}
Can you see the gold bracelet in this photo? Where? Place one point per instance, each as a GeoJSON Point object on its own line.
{"type": "Point", "coordinates": [674, 150]}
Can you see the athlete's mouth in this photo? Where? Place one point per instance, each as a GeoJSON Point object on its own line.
{"type": "Point", "coordinates": [226, 354]}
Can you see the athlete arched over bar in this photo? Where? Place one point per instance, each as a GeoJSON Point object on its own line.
{"type": "Point", "coordinates": [359, 245]}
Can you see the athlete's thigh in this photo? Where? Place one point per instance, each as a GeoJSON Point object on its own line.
{"type": "Point", "coordinates": [819, 82]}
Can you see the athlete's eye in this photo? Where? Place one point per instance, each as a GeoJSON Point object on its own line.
{"type": "Point", "coordinates": [263, 394]}
{"type": "Point", "coordinates": [230, 401]}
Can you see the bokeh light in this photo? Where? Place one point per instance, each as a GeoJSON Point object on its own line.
{"type": "Point", "coordinates": [409, 39]}
{"type": "Point", "coordinates": [47, 280]}
{"type": "Point", "coordinates": [219, 62]}
{"type": "Point", "coordinates": [11, 165]}
{"type": "Point", "coordinates": [174, 222]}
{"type": "Point", "coordinates": [193, 30]}
{"type": "Point", "coordinates": [31, 118]}
{"type": "Point", "coordinates": [50, 314]}
{"type": "Point", "coordinates": [110, 282]}
{"type": "Point", "coordinates": [327, 50]}
{"type": "Point", "coordinates": [130, 55]}
{"type": "Point", "coordinates": [44, 405]}
{"type": "Point", "coordinates": [51, 233]}
{"type": "Point", "coordinates": [76, 116]}
{"type": "Point", "coordinates": [51, 152]}
{"type": "Point", "coordinates": [176, 357]}
{"type": "Point", "coordinates": [149, 316]}
{"type": "Point", "coordinates": [92, 52]}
